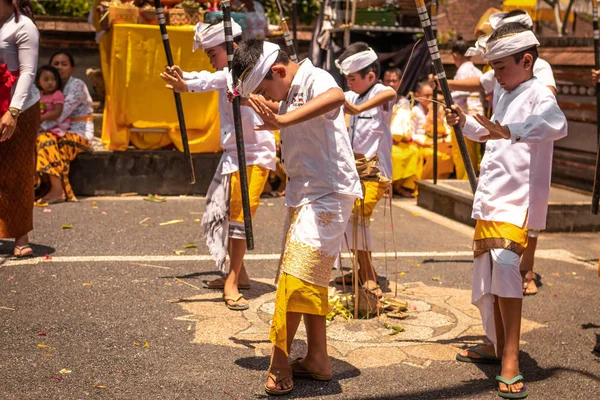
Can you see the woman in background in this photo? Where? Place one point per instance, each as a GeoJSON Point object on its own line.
{"type": "Point", "coordinates": [20, 113]}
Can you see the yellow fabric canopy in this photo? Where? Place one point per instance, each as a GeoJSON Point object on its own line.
{"type": "Point", "coordinates": [132, 58]}
{"type": "Point", "coordinates": [539, 10]}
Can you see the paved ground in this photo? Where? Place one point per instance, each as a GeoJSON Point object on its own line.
{"type": "Point", "coordinates": [112, 305]}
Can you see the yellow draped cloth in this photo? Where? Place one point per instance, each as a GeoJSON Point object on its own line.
{"type": "Point", "coordinates": [132, 58]}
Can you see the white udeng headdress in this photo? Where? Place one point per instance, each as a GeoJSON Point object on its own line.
{"type": "Point", "coordinates": [356, 62]}
{"type": "Point", "coordinates": [497, 20]}
{"type": "Point", "coordinates": [246, 85]}
{"type": "Point", "coordinates": [207, 36]}
{"type": "Point", "coordinates": [510, 44]}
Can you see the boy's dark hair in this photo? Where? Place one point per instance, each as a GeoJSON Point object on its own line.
{"type": "Point", "coordinates": [357, 48]}
{"type": "Point", "coordinates": [65, 53]}
{"type": "Point", "coordinates": [247, 54]}
{"type": "Point", "coordinates": [54, 71]}
{"type": "Point", "coordinates": [513, 28]}
{"type": "Point", "coordinates": [460, 46]}
{"type": "Point", "coordinates": [512, 13]}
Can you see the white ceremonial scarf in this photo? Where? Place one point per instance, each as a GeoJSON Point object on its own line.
{"type": "Point", "coordinates": [509, 45]}
{"type": "Point", "coordinates": [357, 62]}
{"type": "Point", "coordinates": [497, 20]}
{"type": "Point", "coordinates": [246, 85]}
{"type": "Point", "coordinates": [207, 35]}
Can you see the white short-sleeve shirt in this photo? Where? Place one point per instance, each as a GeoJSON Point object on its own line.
{"type": "Point", "coordinates": [369, 131]}
{"type": "Point", "coordinates": [316, 154]}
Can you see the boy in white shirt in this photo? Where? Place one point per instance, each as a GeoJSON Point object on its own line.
{"type": "Point", "coordinates": [487, 82]}
{"type": "Point", "coordinates": [512, 193]}
{"type": "Point", "coordinates": [223, 220]}
{"type": "Point", "coordinates": [370, 105]}
{"type": "Point", "coordinates": [323, 185]}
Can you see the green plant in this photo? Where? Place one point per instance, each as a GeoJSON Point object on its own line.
{"type": "Point", "coordinates": [64, 8]}
{"type": "Point", "coordinates": [307, 10]}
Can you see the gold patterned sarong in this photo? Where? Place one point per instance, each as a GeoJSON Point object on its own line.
{"type": "Point", "coordinates": [498, 235]}
{"type": "Point", "coordinates": [313, 235]}
{"type": "Point", "coordinates": [55, 154]}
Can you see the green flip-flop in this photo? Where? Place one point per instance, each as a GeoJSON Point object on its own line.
{"type": "Point", "coordinates": [523, 393]}
{"type": "Point", "coordinates": [484, 359]}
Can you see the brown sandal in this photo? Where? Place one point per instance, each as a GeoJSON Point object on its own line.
{"type": "Point", "coordinates": [277, 380]}
{"type": "Point", "coordinates": [529, 284]}
{"type": "Point", "coordinates": [21, 253]}
{"type": "Point", "coordinates": [300, 371]}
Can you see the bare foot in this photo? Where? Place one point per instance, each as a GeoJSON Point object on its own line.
{"type": "Point", "coordinates": [374, 288]}
{"type": "Point", "coordinates": [515, 387]}
{"type": "Point", "coordinates": [318, 367]}
{"type": "Point", "coordinates": [280, 378]}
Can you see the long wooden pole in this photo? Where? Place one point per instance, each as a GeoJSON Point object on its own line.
{"type": "Point", "coordinates": [287, 36]}
{"type": "Point", "coordinates": [183, 131]}
{"type": "Point", "coordinates": [239, 132]}
{"type": "Point", "coordinates": [596, 189]}
{"type": "Point", "coordinates": [435, 95]}
{"type": "Point", "coordinates": [441, 74]}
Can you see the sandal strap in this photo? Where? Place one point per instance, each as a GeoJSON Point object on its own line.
{"type": "Point", "coordinates": [507, 382]}
{"type": "Point", "coordinates": [234, 299]}
{"type": "Point", "coordinates": [475, 349]}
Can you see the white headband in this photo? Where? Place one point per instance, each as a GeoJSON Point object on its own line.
{"type": "Point", "coordinates": [497, 20]}
{"type": "Point", "coordinates": [356, 62]}
{"type": "Point", "coordinates": [479, 47]}
{"type": "Point", "coordinates": [248, 84]}
{"type": "Point", "coordinates": [207, 36]}
{"type": "Point", "coordinates": [509, 45]}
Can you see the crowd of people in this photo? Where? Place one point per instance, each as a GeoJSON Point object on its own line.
{"type": "Point", "coordinates": [343, 152]}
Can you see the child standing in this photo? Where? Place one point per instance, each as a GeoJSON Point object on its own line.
{"type": "Point", "coordinates": [52, 100]}
{"type": "Point", "coordinates": [223, 220]}
{"type": "Point", "coordinates": [322, 187]}
{"type": "Point", "coordinates": [512, 194]}
{"type": "Point", "coordinates": [370, 105]}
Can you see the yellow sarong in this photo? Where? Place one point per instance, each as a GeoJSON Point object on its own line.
{"type": "Point", "coordinates": [407, 164]}
{"type": "Point", "coordinates": [499, 235]}
{"type": "Point", "coordinates": [257, 177]}
{"type": "Point", "coordinates": [474, 149]}
{"type": "Point", "coordinates": [54, 156]}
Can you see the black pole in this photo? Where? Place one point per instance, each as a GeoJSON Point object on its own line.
{"type": "Point", "coordinates": [596, 189]}
{"type": "Point", "coordinates": [435, 95]}
{"type": "Point", "coordinates": [239, 132]}
{"type": "Point", "coordinates": [184, 138]}
{"type": "Point", "coordinates": [295, 22]}
{"type": "Point", "coordinates": [439, 69]}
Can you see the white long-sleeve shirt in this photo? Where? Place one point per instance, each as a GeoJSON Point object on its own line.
{"type": "Point", "coordinates": [514, 183]}
{"type": "Point", "coordinates": [259, 145]}
{"type": "Point", "coordinates": [19, 43]}
{"type": "Point", "coordinates": [369, 131]}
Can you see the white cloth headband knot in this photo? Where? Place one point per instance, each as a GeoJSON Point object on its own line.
{"type": "Point", "coordinates": [246, 85]}
{"type": "Point", "coordinates": [509, 45]}
{"type": "Point", "coordinates": [207, 36]}
{"type": "Point", "coordinates": [357, 62]}
{"type": "Point", "coordinates": [479, 47]}
{"type": "Point", "coordinates": [497, 20]}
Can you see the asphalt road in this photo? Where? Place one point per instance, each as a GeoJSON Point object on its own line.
{"type": "Point", "coordinates": [102, 311]}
